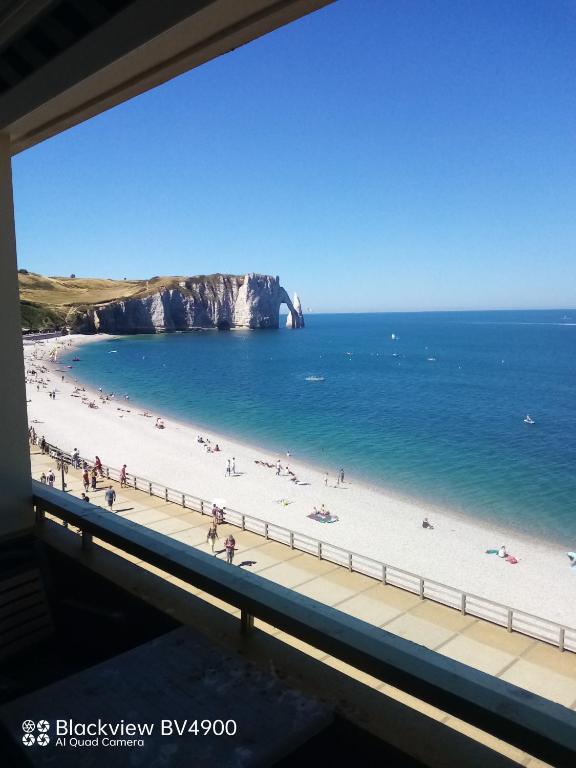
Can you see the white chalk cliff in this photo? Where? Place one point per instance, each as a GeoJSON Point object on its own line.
{"type": "Point", "coordinates": [217, 301]}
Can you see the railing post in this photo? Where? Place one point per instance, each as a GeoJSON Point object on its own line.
{"type": "Point", "coordinates": [384, 569]}
{"type": "Point", "coordinates": [134, 482]}
{"type": "Point", "coordinates": [165, 494]}
{"type": "Point", "coordinates": [184, 500]}
{"type": "Point", "coordinates": [421, 589]}
{"type": "Point", "coordinates": [243, 522]}
{"type": "Point", "coordinates": [246, 622]}
{"type": "Point", "coordinates": [561, 638]}
{"type": "Point", "coordinates": [510, 618]}
{"type": "Point", "coordinates": [86, 540]}
{"type": "Point", "coordinates": [291, 539]}
{"type": "Point", "coordinates": [201, 507]}
{"type": "Point", "coordinates": [150, 488]}
{"type": "Point", "coordinates": [350, 561]}
{"type": "Point", "coordinates": [319, 550]}
{"type": "Point", "coordinates": [107, 473]}
{"type": "Point", "coordinates": [463, 603]}
{"type": "Point", "coordinates": [266, 530]}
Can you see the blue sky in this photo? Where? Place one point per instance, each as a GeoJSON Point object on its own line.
{"type": "Point", "coordinates": [407, 154]}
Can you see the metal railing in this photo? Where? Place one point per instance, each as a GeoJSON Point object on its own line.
{"type": "Point", "coordinates": [541, 727]}
{"type": "Point", "coordinates": [467, 603]}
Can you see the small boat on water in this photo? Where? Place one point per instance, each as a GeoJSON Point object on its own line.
{"type": "Point", "coordinates": [431, 359]}
{"type": "Point", "coordinates": [314, 378]}
{"type": "Point", "coordinates": [75, 359]}
{"type": "Point", "coordinates": [529, 419]}
{"type": "Point", "coordinates": [395, 354]}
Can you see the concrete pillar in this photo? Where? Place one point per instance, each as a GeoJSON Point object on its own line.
{"type": "Point", "coordinates": [16, 513]}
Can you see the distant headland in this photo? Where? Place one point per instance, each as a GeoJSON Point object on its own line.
{"type": "Point", "coordinates": [157, 305]}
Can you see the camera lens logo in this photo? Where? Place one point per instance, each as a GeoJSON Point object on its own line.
{"type": "Point", "coordinates": [42, 739]}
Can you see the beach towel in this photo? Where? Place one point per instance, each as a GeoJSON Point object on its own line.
{"type": "Point", "coordinates": [491, 551]}
{"type": "Point", "coordinates": [323, 518]}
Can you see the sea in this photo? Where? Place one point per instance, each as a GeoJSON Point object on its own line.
{"type": "Point", "coordinates": [429, 406]}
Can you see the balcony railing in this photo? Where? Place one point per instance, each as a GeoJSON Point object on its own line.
{"type": "Point", "coordinates": [538, 726]}
{"type": "Point", "coordinates": [467, 603]}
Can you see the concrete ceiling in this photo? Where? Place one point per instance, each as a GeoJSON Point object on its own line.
{"type": "Point", "coordinates": [64, 61]}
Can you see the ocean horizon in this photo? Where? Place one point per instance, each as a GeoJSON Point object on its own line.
{"type": "Point", "coordinates": [426, 405]}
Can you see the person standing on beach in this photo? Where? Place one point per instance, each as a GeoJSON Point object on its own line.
{"type": "Point", "coordinates": [228, 468]}
{"type": "Point", "coordinates": [230, 545]}
{"type": "Point", "coordinates": [326, 478]}
{"type": "Point", "coordinates": [123, 477]}
{"type": "Point", "coordinates": [278, 467]}
{"type": "Point", "coordinates": [233, 466]}
{"type": "Point", "coordinates": [110, 496]}
{"type": "Point", "coordinates": [341, 477]}
{"type": "Point", "coordinates": [212, 535]}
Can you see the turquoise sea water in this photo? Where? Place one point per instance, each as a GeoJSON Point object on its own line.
{"type": "Point", "coordinates": [448, 430]}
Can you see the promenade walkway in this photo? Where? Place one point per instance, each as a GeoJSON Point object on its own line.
{"type": "Point", "coordinates": [523, 661]}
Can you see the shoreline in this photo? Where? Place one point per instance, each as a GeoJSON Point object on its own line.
{"type": "Point", "coordinates": [372, 521]}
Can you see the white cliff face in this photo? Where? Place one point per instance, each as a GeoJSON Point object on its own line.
{"type": "Point", "coordinates": [295, 319]}
{"type": "Point", "coordinates": [220, 301]}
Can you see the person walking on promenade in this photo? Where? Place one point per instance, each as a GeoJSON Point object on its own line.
{"type": "Point", "coordinates": [76, 459]}
{"type": "Point", "coordinates": [123, 477]}
{"type": "Point", "coordinates": [93, 479]}
{"type": "Point", "coordinates": [43, 444]}
{"type": "Point", "coordinates": [228, 468]}
{"type": "Point", "coordinates": [85, 479]}
{"type": "Point", "coordinates": [230, 545]}
{"type": "Point", "coordinates": [212, 535]}
{"type": "Point", "coordinates": [110, 496]}
{"type": "Point", "coordinates": [43, 478]}
{"type": "Point", "coordinates": [51, 478]}
{"type": "Point", "coordinates": [98, 466]}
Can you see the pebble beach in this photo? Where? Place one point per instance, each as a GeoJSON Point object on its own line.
{"type": "Point", "coordinates": [370, 520]}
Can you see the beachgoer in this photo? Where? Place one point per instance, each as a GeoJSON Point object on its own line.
{"type": "Point", "coordinates": [341, 478]}
{"type": "Point", "coordinates": [326, 478]}
{"type": "Point", "coordinates": [427, 524]}
{"type": "Point", "coordinates": [230, 545]}
{"type": "Point", "coordinates": [228, 468]}
{"type": "Point", "coordinates": [98, 466]}
{"type": "Point", "coordinates": [278, 467]}
{"type": "Point", "coordinates": [212, 535]}
{"type": "Point", "coordinates": [233, 466]}
{"type": "Point", "coordinates": [502, 551]}
{"type": "Point", "coordinates": [110, 497]}
{"type": "Point", "coordinates": [123, 476]}
{"type": "Point", "coordinates": [572, 558]}
{"type": "Point", "coordinates": [216, 448]}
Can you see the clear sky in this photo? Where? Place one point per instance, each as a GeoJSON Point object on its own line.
{"type": "Point", "coordinates": [406, 154]}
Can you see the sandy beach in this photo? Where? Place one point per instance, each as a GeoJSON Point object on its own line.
{"type": "Point", "coordinates": [370, 521]}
